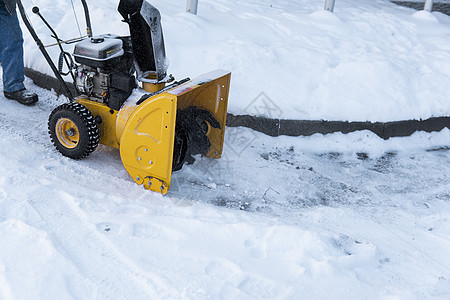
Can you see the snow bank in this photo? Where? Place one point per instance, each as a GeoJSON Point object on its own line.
{"type": "Point", "coordinates": [369, 61]}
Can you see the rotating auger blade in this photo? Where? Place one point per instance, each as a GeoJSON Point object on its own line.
{"type": "Point", "coordinates": [192, 127]}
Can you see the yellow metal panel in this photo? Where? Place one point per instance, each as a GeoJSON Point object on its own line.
{"type": "Point", "coordinates": [107, 127]}
{"type": "Point", "coordinates": [210, 92]}
{"type": "Point", "coordinates": [123, 116]}
{"type": "Point", "coordinates": [147, 141]}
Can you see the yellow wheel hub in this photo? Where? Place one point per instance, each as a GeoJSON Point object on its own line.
{"type": "Point", "coordinates": [67, 133]}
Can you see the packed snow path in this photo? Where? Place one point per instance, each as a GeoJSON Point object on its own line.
{"type": "Point", "coordinates": [338, 216]}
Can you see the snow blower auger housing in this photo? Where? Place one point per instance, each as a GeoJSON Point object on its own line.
{"type": "Point", "coordinates": [156, 134]}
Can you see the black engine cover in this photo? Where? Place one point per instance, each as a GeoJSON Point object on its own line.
{"type": "Point", "coordinates": [120, 88]}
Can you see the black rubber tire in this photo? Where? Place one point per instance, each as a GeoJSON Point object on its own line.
{"type": "Point", "coordinates": [87, 129]}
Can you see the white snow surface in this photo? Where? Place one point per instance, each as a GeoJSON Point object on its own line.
{"type": "Point", "coordinates": [322, 217]}
{"type": "Point", "coordinates": [340, 216]}
{"type": "Point", "coordinates": [369, 61]}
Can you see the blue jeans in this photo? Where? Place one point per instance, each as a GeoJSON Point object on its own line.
{"type": "Point", "coordinates": [11, 51]}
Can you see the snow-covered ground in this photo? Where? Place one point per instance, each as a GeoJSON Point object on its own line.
{"type": "Point", "coordinates": [322, 217]}
{"type": "Point", "coordinates": [369, 61]}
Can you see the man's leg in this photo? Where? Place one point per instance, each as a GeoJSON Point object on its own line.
{"type": "Point", "coordinates": [11, 56]}
{"type": "Point", "coordinates": [11, 52]}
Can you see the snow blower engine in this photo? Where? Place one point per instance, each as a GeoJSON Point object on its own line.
{"type": "Point", "coordinates": [155, 133]}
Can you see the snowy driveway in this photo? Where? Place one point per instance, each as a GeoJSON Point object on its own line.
{"type": "Point", "coordinates": [337, 216]}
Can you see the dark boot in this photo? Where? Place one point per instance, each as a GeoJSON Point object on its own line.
{"type": "Point", "coordinates": [22, 96]}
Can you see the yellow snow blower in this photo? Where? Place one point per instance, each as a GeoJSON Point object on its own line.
{"type": "Point", "coordinates": [156, 133]}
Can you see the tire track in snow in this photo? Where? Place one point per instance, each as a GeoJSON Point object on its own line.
{"type": "Point", "coordinates": [116, 276]}
{"type": "Point", "coordinates": [421, 243]}
{"type": "Point", "coordinates": [35, 133]}
{"type": "Point", "coordinates": [113, 274]}
{"type": "Point", "coordinates": [29, 123]}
